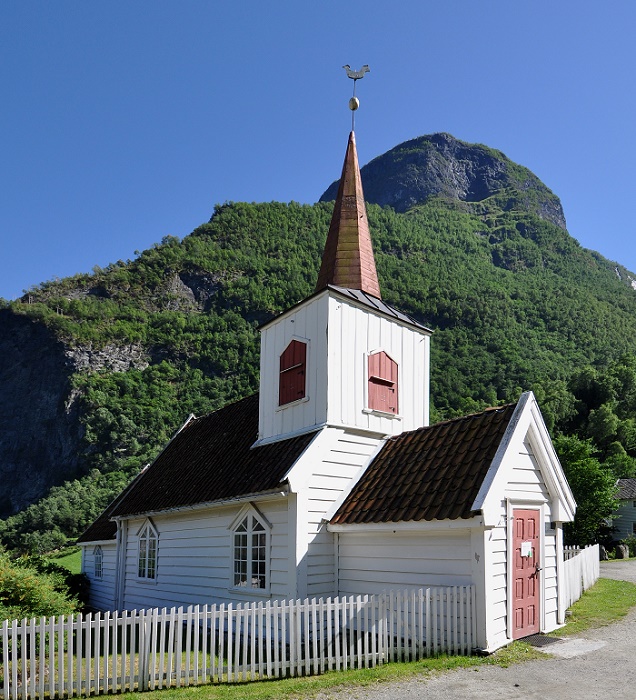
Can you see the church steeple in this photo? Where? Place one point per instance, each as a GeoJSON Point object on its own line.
{"type": "Point", "coordinates": [343, 358]}
{"type": "Point", "coordinates": [348, 259]}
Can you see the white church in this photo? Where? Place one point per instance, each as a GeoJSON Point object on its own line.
{"type": "Point", "coordinates": [330, 481]}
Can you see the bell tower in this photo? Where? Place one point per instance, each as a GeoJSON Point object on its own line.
{"type": "Point", "coordinates": [343, 357]}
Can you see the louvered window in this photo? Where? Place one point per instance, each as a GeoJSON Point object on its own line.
{"type": "Point", "coordinates": [291, 386]}
{"type": "Point", "coordinates": [383, 383]}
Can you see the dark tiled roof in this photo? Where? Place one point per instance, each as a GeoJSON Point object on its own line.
{"type": "Point", "coordinates": [378, 305]}
{"type": "Point", "coordinates": [210, 460]}
{"type": "Point", "coordinates": [104, 528]}
{"type": "Point", "coordinates": [626, 489]}
{"type": "Point", "coordinates": [432, 473]}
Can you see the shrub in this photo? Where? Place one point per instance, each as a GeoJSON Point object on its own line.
{"type": "Point", "coordinates": [25, 592]}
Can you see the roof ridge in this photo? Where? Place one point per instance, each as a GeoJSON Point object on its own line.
{"type": "Point", "coordinates": [458, 419]}
{"type": "Point", "coordinates": [197, 419]}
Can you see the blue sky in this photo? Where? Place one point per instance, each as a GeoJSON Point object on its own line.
{"type": "Point", "coordinates": [123, 122]}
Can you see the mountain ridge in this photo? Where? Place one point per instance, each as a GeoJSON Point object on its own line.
{"type": "Point", "coordinates": [439, 165]}
{"type": "Point", "coordinates": [516, 301]}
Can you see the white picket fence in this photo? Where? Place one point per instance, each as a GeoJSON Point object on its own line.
{"type": "Point", "coordinates": [570, 551]}
{"type": "Point", "coordinates": [581, 570]}
{"type": "Point", "coordinates": [147, 650]}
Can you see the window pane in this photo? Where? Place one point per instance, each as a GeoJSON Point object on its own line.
{"type": "Point", "coordinates": [97, 552]}
{"type": "Point", "coordinates": [240, 556]}
{"type": "Point", "coordinates": [152, 557]}
{"type": "Point", "coordinates": [141, 569]}
{"type": "Point", "coordinates": [250, 554]}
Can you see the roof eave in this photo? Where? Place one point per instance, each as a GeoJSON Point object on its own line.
{"type": "Point", "coordinates": [410, 525]}
{"type": "Point", "coordinates": [333, 290]}
{"type": "Point", "coordinates": [279, 492]}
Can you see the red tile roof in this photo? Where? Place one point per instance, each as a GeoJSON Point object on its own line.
{"type": "Point", "coordinates": [432, 473]}
{"type": "Point", "coordinates": [209, 460]}
{"type": "Point", "coordinates": [348, 259]}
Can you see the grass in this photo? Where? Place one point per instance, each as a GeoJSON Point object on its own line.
{"type": "Point", "coordinates": [606, 602]}
{"type": "Point", "coordinates": [334, 681]}
{"type": "Point", "coordinates": [69, 557]}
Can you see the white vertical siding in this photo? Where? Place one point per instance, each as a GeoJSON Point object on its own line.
{"type": "Point", "coordinates": [340, 336]}
{"type": "Point", "coordinates": [354, 332]}
{"type": "Point", "coordinates": [307, 322]}
{"type": "Point", "coordinates": [372, 562]}
{"type": "Point", "coordinates": [194, 558]}
{"type": "Point", "coordinates": [101, 590]}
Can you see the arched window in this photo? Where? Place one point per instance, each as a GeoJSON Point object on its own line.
{"type": "Point", "coordinates": [291, 383]}
{"type": "Point", "coordinates": [147, 553]}
{"type": "Point", "coordinates": [250, 551]}
{"type": "Point", "coordinates": [98, 562]}
{"type": "Point", "coordinates": [383, 383]}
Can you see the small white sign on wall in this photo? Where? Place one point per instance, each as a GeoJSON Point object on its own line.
{"type": "Point", "coordinates": [526, 549]}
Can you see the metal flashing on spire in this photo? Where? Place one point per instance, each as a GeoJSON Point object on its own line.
{"type": "Point", "coordinates": [348, 257]}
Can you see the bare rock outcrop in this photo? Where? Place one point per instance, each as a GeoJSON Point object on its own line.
{"type": "Point", "coordinates": [440, 165]}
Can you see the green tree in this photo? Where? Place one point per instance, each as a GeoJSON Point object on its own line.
{"type": "Point", "coordinates": [593, 486]}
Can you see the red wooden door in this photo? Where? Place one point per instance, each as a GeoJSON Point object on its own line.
{"type": "Point", "coordinates": [525, 575]}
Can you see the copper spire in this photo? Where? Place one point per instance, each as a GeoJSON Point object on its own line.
{"type": "Point", "coordinates": [348, 257]}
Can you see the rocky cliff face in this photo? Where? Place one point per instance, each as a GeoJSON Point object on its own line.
{"type": "Point", "coordinates": [39, 417]}
{"type": "Point", "coordinates": [440, 165]}
{"type": "Point", "coordinates": [40, 428]}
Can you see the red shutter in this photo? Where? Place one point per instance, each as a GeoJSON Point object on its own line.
{"type": "Point", "coordinates": [291, 385]}
{"type": "Point", "coordinates": [383, 383]}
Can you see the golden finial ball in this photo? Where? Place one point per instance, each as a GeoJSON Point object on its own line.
{"type": "Point", "coordinates": [354, 103]}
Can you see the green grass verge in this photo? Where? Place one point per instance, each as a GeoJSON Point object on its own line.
{"type": "Point", "coordinates": [70, 558]}
{"type": "Point", "coordinates": [334, 681]}
{"type": "Point", "coordinates": [604, 603]}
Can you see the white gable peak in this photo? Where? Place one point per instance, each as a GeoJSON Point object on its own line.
{"type": "Point", "coordinates": [525, 468]}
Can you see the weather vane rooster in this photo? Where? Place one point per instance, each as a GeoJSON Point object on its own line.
{"type": "Point", "coordinates": [355, 75]}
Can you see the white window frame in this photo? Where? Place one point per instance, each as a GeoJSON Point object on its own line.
{"type": "Point", "coordinates": [147, 542]}
{"type": "Point", "coordinates": [98, 562]}
{"type": "Point", "coordinates": [255, 554]}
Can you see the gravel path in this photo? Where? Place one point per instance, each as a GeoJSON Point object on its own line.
{"type": "Point", "coordinates": [599, 665]}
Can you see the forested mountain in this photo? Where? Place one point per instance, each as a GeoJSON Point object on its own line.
{"type": "Point", "coordinates": [97, 371]}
